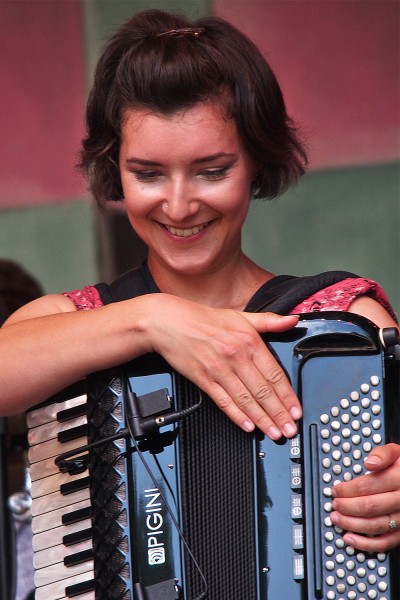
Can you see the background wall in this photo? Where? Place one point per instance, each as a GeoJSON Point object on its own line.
{"type": "Point", "coordinates": [338, 63]}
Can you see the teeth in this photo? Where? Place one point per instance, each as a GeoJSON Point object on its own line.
{"type": "Point", "coordinates": [186, 232]}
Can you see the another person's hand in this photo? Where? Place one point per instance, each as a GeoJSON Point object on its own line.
{"type": "Point", "coordinates": [222, 352]}
{"type": "Point", "coordinates": [368, 507]}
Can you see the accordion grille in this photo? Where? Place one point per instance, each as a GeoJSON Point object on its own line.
{"type": "Point", "coordinates": [218, 500]}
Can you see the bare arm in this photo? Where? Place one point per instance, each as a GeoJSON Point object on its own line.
{"type": "Point", "coordinates": [48, 344]}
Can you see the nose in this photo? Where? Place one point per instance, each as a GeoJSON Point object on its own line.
{"type": "Point", "coordinates": [180, 202]}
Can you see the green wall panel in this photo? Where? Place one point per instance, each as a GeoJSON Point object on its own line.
{"type": "Point", "coordinates": [340, 219]}
{"type": "Point", "coordinates": [55, 243]}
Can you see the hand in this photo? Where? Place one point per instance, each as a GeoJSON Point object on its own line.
{"type": "Point", "coordinates": [221, 351]}
{"type": "Point", "coordinates": [368, 503]}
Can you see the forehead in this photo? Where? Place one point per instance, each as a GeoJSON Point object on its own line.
{"type": "Point", "coordinates": [204, 123]}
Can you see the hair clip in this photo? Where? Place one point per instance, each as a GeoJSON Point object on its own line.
{"type": "Point", "coordinates": [195, 31]}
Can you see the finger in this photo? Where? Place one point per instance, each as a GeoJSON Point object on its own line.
{"type": "Point", "coordinates": [367, 526]}
{"type": "Point", "coordinates": [382, 456]}
{"type": "Point", "coordinates": [369, 484]}
{"type": "Point", "coordinates": [381, 543]}
{"type": "Point", "coordinates": [243, 406]}
{"type": "Point", "coordinates": [367, 506]}
{"type": "Point", "coordinates": [273, 373]}
{"type": "Point", "coordinates": [233, 411]}
{"type": "Point", "coordinates": [264, 322]}
{"type": "Point", "coordinates": [263, 401]}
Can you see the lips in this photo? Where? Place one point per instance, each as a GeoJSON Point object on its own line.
{"type": "Point", "coordinates": [188, 232]}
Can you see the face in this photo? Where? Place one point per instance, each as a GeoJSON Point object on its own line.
{"type": "Point", "coordinates": [186, 181]}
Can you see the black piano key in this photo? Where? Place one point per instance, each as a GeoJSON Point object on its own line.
{"type": "Point", "coordinates": [78, 557]}
{"type": "Point", "coordinates": [76, 515]}
{"type": "Point", "coordinates": [74, 486]}
{"type": "Point", "coordinates": [72, 434]}
{"type": "Point", "coordinates": [72, 413]}
{"type": "Point", "coordinates": [77, 537]}
{"type": "Point", "coordinates": [80, 588]}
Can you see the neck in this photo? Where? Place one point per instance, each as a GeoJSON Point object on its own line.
{"type": "Point", "coordinates": [228, 287]}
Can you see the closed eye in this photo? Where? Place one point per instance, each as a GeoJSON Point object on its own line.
{"type": "Point", "coordinates": [215, 174]}
{"type": "Point", "coordinates": [147, 176]}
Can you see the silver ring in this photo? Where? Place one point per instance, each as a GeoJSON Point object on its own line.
{"type": "Point", "coordinates": [392, 525]}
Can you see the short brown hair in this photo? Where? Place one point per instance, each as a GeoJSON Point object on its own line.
{"type": "Point", "coordinates": [139, 68]}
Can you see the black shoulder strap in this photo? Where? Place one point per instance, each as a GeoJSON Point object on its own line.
{"type": "Point", "coordinates": [136, 282]}
{"type": "Point", "coordinates": [279, 295]}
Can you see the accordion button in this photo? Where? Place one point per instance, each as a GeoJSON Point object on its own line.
{"type": "Point", "coordinates": [382, 586]}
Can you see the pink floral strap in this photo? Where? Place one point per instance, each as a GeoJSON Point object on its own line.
{"type": "Point", "coordinates": [339, 296]}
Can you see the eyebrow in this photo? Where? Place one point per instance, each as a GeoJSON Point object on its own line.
{"type": "Point", "coordinates": [202, 159]}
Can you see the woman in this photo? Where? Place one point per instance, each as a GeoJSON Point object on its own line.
{"type": "Point", "coordinates": [186, 123]}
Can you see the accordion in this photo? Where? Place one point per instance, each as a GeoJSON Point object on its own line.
{"type": "Point", "coordinates": [161, 496]}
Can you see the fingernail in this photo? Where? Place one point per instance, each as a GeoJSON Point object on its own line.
{"type": "Point", "coordinates": [295, 412]}
{"type": "Point", "coordinates": [349, 540]}
{"type": "Point", "coordinates": [289, 429]}
{"type": "Point", "coordinates": [248, 426]}
{"type": "Point", "coordinates": [334, 518]}
{"type": "Point", "coordinates": [373, 460]}
{"type": "Point", "coordinates": [274, 433]}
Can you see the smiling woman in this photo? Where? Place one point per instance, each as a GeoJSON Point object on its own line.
{"type": "Point", "coordinates": [188, 200]}
{"type": "Point", "coordinates": [185, 124]}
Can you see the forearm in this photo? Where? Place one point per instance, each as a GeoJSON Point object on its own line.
{"type": "Point", "coordinates": [42, 355]}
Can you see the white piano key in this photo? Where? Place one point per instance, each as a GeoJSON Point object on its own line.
{"type": "Point", "coordinates": [45, 414]}
{"type": "Point", "coordinates": [55, 554]}
{"type": "Point", "coordinates": [43, 487]}
{"type": "Point", "coordinates": [53, 448]}
{"type": "Point", "coordinates": [54, 537]}
{"type": "Point", "coordinates": [54, 518]}
{"type": "Point", "coordinates": [57, 572]}
{"type": "Point", "coordinates": [56, 591]}
{"type": "Point", "coordinates": [88, 596]}
{"type": "Point", "coordinates": [49, 431]}
{"type": "Point", "coordinates": [57, 500]}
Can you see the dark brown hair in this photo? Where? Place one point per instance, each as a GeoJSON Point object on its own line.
{"type": "Point", "coordinates": [140, 68]}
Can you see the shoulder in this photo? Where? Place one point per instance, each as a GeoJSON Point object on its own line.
{"type": "Point", "coordinates": [41, 307]}
{"type": "Point", "coordinates": [373, 310]}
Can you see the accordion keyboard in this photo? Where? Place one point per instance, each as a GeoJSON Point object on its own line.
{"type": "Point", "coordinates": [62, 538]}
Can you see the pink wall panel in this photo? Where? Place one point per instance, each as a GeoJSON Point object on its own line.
{"type": "Point", "coordinates": [338, 63]}
{"type": "Point", "coordinates": [43, 93]}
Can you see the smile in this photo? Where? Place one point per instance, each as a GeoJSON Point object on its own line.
{"type": "Point", "coordinates": [186, 232]}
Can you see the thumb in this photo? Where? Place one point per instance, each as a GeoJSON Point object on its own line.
{"type": "Point", "coordinates": [264, 322]}
{"type": "Point", "coordinates": [382, 457]}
